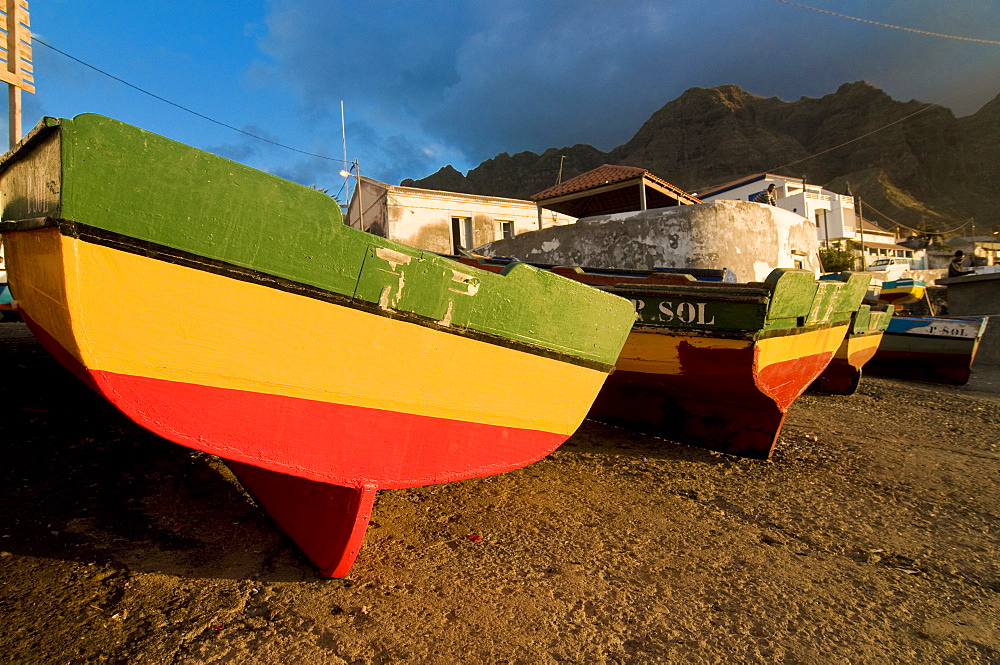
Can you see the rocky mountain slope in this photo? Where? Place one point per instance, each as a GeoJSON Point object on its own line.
{"type": "Point", "coordinates": [912, 163]}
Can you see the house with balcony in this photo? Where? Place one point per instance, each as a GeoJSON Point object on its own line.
{"type": "Point", "coordinates": [833, 213]}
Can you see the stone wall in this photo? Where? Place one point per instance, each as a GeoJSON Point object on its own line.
{"type": "Point", "coordinates": [749, 239]}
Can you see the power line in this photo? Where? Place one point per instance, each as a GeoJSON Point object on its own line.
{"type": "Point", "coordinates": [889, 25]}
{"type": "Point", "coordinates": [857, 138]}
{"type": "Point", "coordinates": [823, 152]}
{"type": "Point", "coordinates": [946, 232]}
{"type": "Point", "coordinates": [183, 108]}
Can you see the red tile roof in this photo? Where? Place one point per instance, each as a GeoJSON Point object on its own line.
{"type": "Point", "coordinates": [604, 175]}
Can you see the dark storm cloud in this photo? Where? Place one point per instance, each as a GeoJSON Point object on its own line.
{"type": "Point", "coordinates": [430, 83]}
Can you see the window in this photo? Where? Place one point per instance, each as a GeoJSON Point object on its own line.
{"type": "Point", "coordinates": [461, 234]}
{"type": "Point", "coordinates": [505, 230]}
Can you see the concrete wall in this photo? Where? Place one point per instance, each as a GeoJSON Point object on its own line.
{"type": "Point", "coordinates": [978, 295]}
{"type": "Point", "coordinates": [973, 295]}
{"type": "Point", "coordinates": [926, 276]}
{"type": "Point", "coordinates": [750, 239]}
{"type": "Point", "coordinates": [805, 200]}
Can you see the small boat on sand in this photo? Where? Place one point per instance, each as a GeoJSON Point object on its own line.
{"type": "Point", "coordinates": [231, 311]}
{"type": "Point", "coordinates": [903, 291]}
{"type": "Point", "coordinates": [932, 349]}
{"type": "Point", "coordinates": [717, 364]}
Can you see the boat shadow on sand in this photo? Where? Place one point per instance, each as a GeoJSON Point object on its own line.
{"type": "Point", "coordinates": [84, 483]}
{"type": "Point", "coordinates": [614, 441]}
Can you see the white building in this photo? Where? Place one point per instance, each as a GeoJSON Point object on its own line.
{"type": "Point", "coordinates": [833, 214]}
{"type": "Point", "coordinates": [881, 245]}
{"type": "Point", "coordinates": [440, 221]}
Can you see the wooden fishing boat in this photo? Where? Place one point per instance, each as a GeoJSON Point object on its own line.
{"type": "Point", "coordinates": [903, 291]}
{"type": "Point", "coordinates": [717, 364]}
{"type": "Point", "coordinates": [231, 311]}
{"type": "Point", "coordinates": [933, 349]}
{"type": "Point", "coordinates": [843, 374]}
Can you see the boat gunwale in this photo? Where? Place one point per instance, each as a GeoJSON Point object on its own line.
{"type": "Point", "coordinates": [95, 235]}
{"type": "Point", "coordinates": [750, 296]}
{"type": "Point", "coordinates": [909, 335]}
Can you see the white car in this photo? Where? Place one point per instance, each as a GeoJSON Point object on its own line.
{"type": "Point", "coordinates": [891, 268]}
{"type": "Point", "coordinates": [889, 264]}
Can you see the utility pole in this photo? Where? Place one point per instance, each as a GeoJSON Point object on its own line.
{"type": "Point", "coordinates": [17, 72]}
{"type": "Point", "coordinates": [861, 228]}
{"type": "Point", "coordinates": [559, 177]}
{"type": "Point", "coordinates": [973, 252]}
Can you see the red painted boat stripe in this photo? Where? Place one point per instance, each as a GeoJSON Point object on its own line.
{"type": "Point", "coordinates": [322, 441]}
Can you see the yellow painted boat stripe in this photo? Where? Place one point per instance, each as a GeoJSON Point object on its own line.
{"type": "Point", "coordinates": [856, 343]}
{"type": "Point", "coordinates": [657, 353]}
{"type": "Point", "coordinates": [788, 347]}
{"type": "Point", "coordinates": [142, 317]}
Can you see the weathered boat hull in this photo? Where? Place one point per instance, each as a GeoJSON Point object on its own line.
{"type": "Point", "coordinates": [729, 395]}
{"type": "Point", "coordinates": [843, 375]}
{"type": "Point", "coordinates": [716, 364]}
{"type": "Point", "coordinates": [320, 379]}
{"type": "Point", "coordinates": [931, 349]}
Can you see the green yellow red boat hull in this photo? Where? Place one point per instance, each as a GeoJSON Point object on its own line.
{"type": "Point", "coordinates": [843, 375]}
{"type": "Point", "coordinates": [931, 349]}
{"type": "Point", "coordinates": [717, 364]}
{"type": "Point", "coordinates": [232, 312]}
{"type": "Point", "coordinates": [729, 395]}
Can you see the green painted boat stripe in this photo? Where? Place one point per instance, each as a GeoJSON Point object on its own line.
{"type": "Point", "coordinates": [98, 236]}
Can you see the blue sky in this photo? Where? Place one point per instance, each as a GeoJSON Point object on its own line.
{"type": "Point", "coordinates": [425, 84]}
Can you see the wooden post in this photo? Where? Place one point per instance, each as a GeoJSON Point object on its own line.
{"type": "Point", "coordinates": [18, 72]}
{"type": "Point", "coordinates": [930, 305]}
{"type": "Point", "coordinates": [14, 114]}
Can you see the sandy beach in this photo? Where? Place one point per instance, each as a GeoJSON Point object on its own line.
{"type": "Point", "coordinates": [870, 537]}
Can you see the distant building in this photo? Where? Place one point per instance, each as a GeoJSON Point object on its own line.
{"type": "Point", "coordinates": [984, 248]}
{"type": "Point", "coordinates": [440, 221]}
{"type": "Point", "coordinates": [833, 213]}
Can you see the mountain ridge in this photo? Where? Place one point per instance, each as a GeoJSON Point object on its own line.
{"type": "Point", "coordinates": [912, 163]}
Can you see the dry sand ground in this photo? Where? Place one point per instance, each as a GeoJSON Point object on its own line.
{"type": "Point", "coordinates": [871, 537]}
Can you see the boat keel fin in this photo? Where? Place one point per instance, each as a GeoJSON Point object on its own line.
{"type": "Point", "coordinates": [327, 522]}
